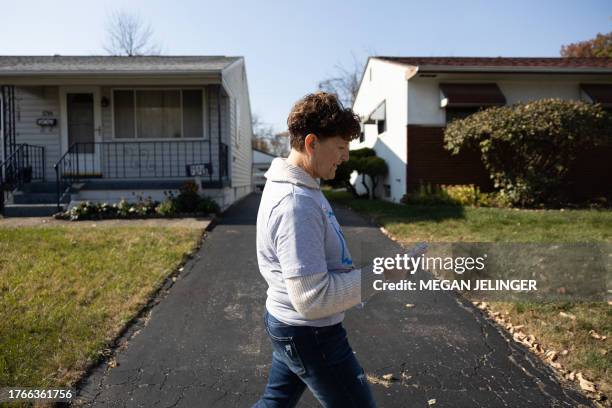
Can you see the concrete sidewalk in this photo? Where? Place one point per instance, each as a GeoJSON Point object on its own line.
{"type": "Point", "coordinates": [205, 344]}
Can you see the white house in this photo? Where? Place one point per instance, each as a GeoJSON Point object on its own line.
{"type": "Point", "coordinates": [261, 164]}
{"type": "Point", "coordinates": [103, 127]}
{"type": "Point", "coordinates": [405, 103]}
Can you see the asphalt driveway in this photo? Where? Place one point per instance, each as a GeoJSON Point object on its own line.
{"type": "Point", "coordinates": [205, 345]}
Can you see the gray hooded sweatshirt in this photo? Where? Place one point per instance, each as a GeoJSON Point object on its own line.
{"type": "Point", "coordinates": [302, 253]}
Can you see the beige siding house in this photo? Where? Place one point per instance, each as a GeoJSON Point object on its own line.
{"type": "Point", "coordinates": [101, 128]}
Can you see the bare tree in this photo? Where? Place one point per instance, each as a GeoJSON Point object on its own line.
{"type": "Point", "coordinates": [265, 139]}
{"type": "Point", "coordinates": [345, 82]}
{"type": "Point", "coordinates": [128, 35]}
{"type": "Point", "coordinates": [262, 134]}
{"type": "Point", "coordinates": [280, 144]}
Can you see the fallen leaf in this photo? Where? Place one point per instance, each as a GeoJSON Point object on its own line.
{"type": "Point", "coordinates": [375, 380]}
{"type": "Point", "coordinates": [585, 384]}
{"type": "Point", "coordinates": [596, 335]}
{"type": "Point", "coordinates": [551, 355]}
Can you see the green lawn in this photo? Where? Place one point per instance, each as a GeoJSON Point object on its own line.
{"type": "Point", "coordinates": [455, 223]}
{"type": "Point", "coordinates": [411, 223]}
{"type": "Point", "coordinates": [65, 292]}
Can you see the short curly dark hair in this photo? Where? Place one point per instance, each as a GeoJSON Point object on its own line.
{"type": "Point", "coordinates": [321, 113]}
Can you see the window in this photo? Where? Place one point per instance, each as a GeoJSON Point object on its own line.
{"type": "Point", "coordinates": [379, 115]}
{"type": "Point", "coordinates": [158, 113]}
{"type": "Point", "coordinates": [381, 126]}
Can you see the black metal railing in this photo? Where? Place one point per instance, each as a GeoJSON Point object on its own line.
{"type": "Point", "coordinates": [7, 94]}
{"type": "Point", "coordinates": [24, 165]}
{"type": "Point", "coordinates": [134, 160]}
{"type": "Point", "coordinates": [223, 162]}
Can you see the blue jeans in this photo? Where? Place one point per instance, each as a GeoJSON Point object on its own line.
{"type": "Point", "coordinates": [318, 357]}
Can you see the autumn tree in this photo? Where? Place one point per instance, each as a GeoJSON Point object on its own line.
{"type": "Point", "coordinates": [600, 46]}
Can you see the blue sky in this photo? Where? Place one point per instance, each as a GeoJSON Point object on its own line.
{"type": "Point", "coordinates": [290, 46]}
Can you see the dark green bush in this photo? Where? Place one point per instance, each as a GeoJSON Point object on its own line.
{"type": "Point", "coordinates": [366, 163]}
{"type": "Point", "coordinates": [529, 148]}
{"type": "Point", "coordinates": [188, 198]}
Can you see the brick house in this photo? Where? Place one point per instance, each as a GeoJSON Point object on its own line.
{"type": "Point", "coordinates": [406, 102]}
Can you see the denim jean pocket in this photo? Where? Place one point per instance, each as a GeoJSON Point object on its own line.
{"type": "Point", "coordinates": [289, 354]}
{"type": "Point", "coordinates": [285, 347]}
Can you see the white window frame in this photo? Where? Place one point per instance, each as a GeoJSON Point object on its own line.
{"type": "Point", "coordinates": [205, 135]}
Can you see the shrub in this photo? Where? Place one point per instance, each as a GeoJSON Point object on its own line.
{"type": "Point", "coordinates": [366, 163]}
{"type": "Point", "coordinates": [188, 197]}
{"type": "Point", "coordinates": [528, 148]}
{"type": "Point", "coordinates": [166, 208]}
{"type": "Point", "coordinates": [187, 201]}
{"type": "Point", "coordinates": [208, 205]}
{"type": "Point", "coordinates": [464, 195]}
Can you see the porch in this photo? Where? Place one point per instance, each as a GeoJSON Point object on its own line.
{"type": "Point", "coordinates": [115, 139]}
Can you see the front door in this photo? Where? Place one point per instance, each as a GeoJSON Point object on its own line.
{"type": "Point", "coordinates": [81, 129]}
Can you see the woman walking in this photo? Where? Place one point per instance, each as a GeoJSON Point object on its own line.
{"type": "Point", "coordinates": [303, 256]}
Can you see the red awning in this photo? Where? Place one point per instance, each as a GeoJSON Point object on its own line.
{"type": "Point", "coordinates": [599, 93]}
{"type": "Point", "coordinates": [471, 95]}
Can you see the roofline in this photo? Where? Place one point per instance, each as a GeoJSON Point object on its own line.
{"type": "Point", "coordinates": [236, 59]}
{"type": "Point", "coordinates": [261, 151]}
{"type": "Point", "coordinates": [498, 69]}
{"type": "Point", "coordinates": [513, 70]}
{"type": "Point", "coordinates": [110, 72]}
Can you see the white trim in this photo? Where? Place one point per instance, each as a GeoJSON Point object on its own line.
{"type": "Point", "coordinates": [205, 135]}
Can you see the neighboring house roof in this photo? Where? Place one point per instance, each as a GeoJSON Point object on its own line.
{"type": "Point", "coordinates": [22, 64]}
{"type": "Point", "coordinates": [264, 152]}
{"type": "Point", "coordinates": [508, 64]}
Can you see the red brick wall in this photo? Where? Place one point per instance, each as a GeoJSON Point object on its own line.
{"type": "Point", "coordinates": [592, 174]}
{"type": "Point", "coordinates": [429, 162]}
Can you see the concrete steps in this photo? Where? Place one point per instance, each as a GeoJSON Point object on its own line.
{"type": "Point", "coordinates": [34, 200]}
{"type": "Point", "coordinates": [29, 210]}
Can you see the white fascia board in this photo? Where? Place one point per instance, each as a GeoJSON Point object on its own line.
{"type": "Point", "coordinates": [510, 70]}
